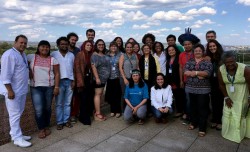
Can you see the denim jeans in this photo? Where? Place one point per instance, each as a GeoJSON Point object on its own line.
{"type": "Point", "coordinates": [63, 101]}
{"type": "Point", "coordinates": [42, 99]}
{"type": "Point", "coordinates": [158, 114]}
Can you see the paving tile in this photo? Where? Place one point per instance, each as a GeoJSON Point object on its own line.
{"type": "Point", "coordinates": [211, 143]}
{"type": "Point", "coordinates": [65, 145]}
{"type": "Point", "coordinates": [244, 145]}
{"type": "Point", "coordinates": [91, 136]}
{"type": "Point", "coordinates": [10, 147]}
{"type": "Point", "coordinates": [118, 143]}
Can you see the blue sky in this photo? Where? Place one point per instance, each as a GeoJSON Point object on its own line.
{"type": "Point", "coordinates": [46, 19]}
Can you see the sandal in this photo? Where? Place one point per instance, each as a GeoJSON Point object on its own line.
{"type": "Point", "coordinates": [218, 127]}
{"type": "Point", "coordinates": [41, 134]}
{"type": "Point", "coordinates": [47, 132]}
{"type": "Point", "coordinates": [191, 127]}
{"type": "Point", "coordinates": [68, 124]}
{"type": "Point", "coordinates": [112, 114]}
{"type": "Point", "coordinates": [99, 117]}
{"type": "Point", "coordinates": [201, 134]}
{"type": "Point", "coordinates": [213, 125]}
{"type": "Point", "coordinates": [118, 115]}
{"type": "Point", "coordinates": [59, 127]}
{"type": "Point", "coordinates": [140, 122]}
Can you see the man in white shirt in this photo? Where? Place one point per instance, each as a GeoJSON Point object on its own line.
{"type": "Point", "coordinates": [63, 100]}
{"type": "Point", "coordinates": [14, 86]}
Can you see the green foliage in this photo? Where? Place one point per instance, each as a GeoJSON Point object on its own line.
{"type": "Point", "coordinates": [4, 46]}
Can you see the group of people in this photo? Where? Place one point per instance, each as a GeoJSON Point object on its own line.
{"type": "Point", "coordinates": [140, 81]}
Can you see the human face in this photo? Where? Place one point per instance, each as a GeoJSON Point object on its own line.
{"type": "Point", "coordinates": [136, 48]}
{"type": "Point", "coordinates": [146, 50]}
{"type": "Point", "coordinates": [113, 48]}
{"type": "Point", "coordinates": [212, 47]}
{"type": "Point", "coordinates": [119, 42]}
{"type": "Point", "coordinates": [160, 80]}
{"type": "Point", "coordinates": [171, 51]}
{"type": "Point", "coordinates": [72, 41]}
{"type": "Point", "coordinates": [136, 78]}
{"type": "Point", "coordinates": [230, 63]}
{"type": "Point", "coordinates": [158, 47]}
{"type": "Point", "coordinates": [100, 46]}
{"type": "Point", "coordinates": [90, 36]}
{"type": "Point", "coordinates": [63, 46]}
{"type": "Point", "coordinates": [149, 41]}
{"type": "Point", "coordinates": [210, 36]}
{"type": "Point", "coordinates": [188, 46]}
{"type": "Point", "coordinates": [198, 53]}
{"type": "Point", "coordinates": [88, 47]}
{"type": "Point", "coordinates": [171, 41]}
{"type": "Point", "coordinates": [43, 50]}
{"type": "Point", "coordinates": [20, 44]}
{"type": "Point", "coordinates": [129, 48]}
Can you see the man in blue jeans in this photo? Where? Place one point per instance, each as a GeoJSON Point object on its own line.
{"type": "Point", "coordinates": [66, 85]}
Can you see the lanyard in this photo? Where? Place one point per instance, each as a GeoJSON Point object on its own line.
{"type": "Point", "coordinates": [231, 78]}
{"type": "Point", "coordinates": [130, 62]}
{"type": "Point", "coordinates": [113, 59]}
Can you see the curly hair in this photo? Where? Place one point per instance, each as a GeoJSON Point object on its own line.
{"type": "Point", "coordinates": [151, 36]}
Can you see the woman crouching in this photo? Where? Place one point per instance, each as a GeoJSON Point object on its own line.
{"type": "Point", "coordinates": [136, 95]}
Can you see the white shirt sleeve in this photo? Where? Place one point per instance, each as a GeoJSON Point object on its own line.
{"type": "Point", "coordinates": [169, 97]}
{"type": "Point", "coordinates": [7, 70]}
{"type": "Point", "coordinates": [153, 96]}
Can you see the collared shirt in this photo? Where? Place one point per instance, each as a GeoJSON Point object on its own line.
{"type": "Point", "coordinates": [66, 64]}
{"type": "Point", "coordinates": [15, 71]}
{"type": "Point", "coordinates": [162, 61]}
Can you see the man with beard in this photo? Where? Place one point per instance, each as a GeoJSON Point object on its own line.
{"type": "Point", "coordinates": [75, 103]}
{"type": "Point", "coordinates": [66, 85]}
{"type": "Point", "coordinates": [90, 34]}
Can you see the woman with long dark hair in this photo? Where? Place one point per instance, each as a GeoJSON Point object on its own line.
{"type": "Point", "coordinates": [214, 52]}
{"type": "Point", "coordinates": [136, 96]}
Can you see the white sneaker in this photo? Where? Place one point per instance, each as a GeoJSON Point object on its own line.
{"type": "Point", "coordinates": [22, 143]}
{"type": "Point", "coordinates": [27, 138]}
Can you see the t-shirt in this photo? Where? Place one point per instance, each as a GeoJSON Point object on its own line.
{"type": "Point", "coordinates": [42, 70]}
{"type": "Point", "coordinates": [102, 65]}
{"type": "Point", "coordinates": [135, 95]}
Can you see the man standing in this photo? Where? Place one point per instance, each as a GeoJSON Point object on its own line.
{"type": "Point", "coordinates": [14, 86]}
{"type": "Point", "coordinates": [66, 85]}
{"type": "Point", "coordinates": [210, 35]}
{"type": "Point", "coordinates": [90, 34]}
{"type": "Point", "coordinates": [171, 40]}
{"type": "Point", "coordinates": [75, 103]}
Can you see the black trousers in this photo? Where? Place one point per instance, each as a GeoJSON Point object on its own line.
{"type": "Point", "coordinates": [179, 100]}
{"type": "Point", "coordinates": [199, 106]}
{"type": "Point", "coordinates": [113, 95]}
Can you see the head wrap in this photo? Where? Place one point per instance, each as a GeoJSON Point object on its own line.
{"type": "Point", "coordinates": [187, 36]}
{"type": "Point", "coordinates": [135, 71]}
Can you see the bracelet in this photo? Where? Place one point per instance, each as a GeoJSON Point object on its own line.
{"type": "Point", "coordinates": [225, 98]}
{"type": "Point", "coordinates": [196, 73]}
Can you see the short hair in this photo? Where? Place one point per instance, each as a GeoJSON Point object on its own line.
{"type": "Point", "coordinates": [113, 43]}
{"type": "Point", "coordinates": [90, 30]}
{"type": "Point", "coordinates": [200, 46]}
{"type": "Point", "coordinates": [171, 36]}
{"type": "Point", "coordinates": [95, 46]}
{"type": "Point", "coordinates": [144, 45]}
{"type": "Point", "coordinates": [228, 54]}
{"type": "Point", "coordinates": [22, 36]}
{"type": "Point", "coordinates": [211, 31]}
{"type": "Point", "coordinates": [165, 84]}
{"type": "Point", "coordinates": [156, 42]}
{"type": "Point", "coordinates": [72, 34]}
{"type": "Point", "coordinates": [151, 36]}
{"type": "Point", "coordinates": [62, 38]}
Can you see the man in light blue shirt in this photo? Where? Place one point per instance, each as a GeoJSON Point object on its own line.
{"type": "Point", "coordinates": [14, 86]}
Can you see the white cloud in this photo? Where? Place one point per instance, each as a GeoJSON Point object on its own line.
{"type": "Point", "coordinates": [244, 2]}
{"type": "Point", "coordinates": [143, 26]}
{"type": "Point", "coordinates": [107, 35]}
{"type": "Point", "coordinates": [87, 25]}
{"type": "Point", "coordinates": [171, 16]}
{"type": "Point", "coordinates": [247, 32]}
{"type": "Point", "coordinates": [202, 11]}
{"type": "Point", "coordinates": [159, 32]}
{"type": "Point", "coordinates": [223, 12]}
{"type": "Point", "coordinates": [234, 34]}
{"type": "Point", "coordinates": [176, 29]}
{"type": "Point", "coordinates": [15, 27]}
{"type": "Point", "coordinates": [248, 19]}
{"type": "Point", "coordinates": [200, 23]}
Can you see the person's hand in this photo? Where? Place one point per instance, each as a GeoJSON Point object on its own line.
{"type": "Point", "coordinates": [181, 84]}
{"type": "Point", "coordinates": [229, 103]}
{"type": "Point", "coordinates": [200, 77]}
{"type": "Point", "coordinates": [11, 94]}
{"type": "Point", "coordinates": [135, 110]}
{"type": "Point", "coordinates": [161, 110]}
{"type": "Point", "coordinates": [188, 73]}
{"type": "Point", "coordinates": [72, 85]}
{"type": "Point", "coordinates": [126, 81]}
{"type": "Point", "coordinates": [193, 73]}
{"type": "Point", "coordinates": [98, 81]}
{"type": "Point", "coordinates": [56, 91]}
{"type": "Point", "coordinates": [166, 110]}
